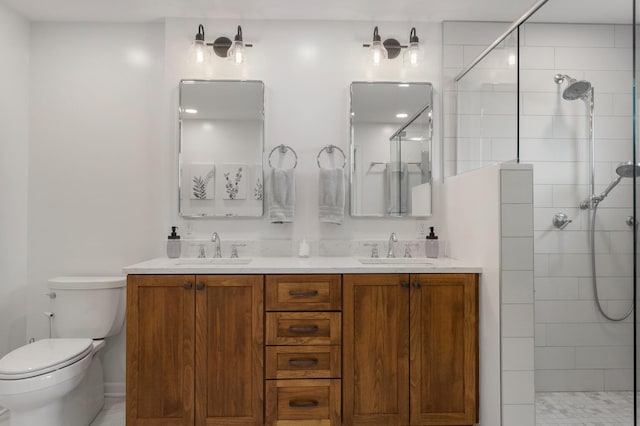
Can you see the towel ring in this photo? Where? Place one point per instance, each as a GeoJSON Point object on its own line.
{"type": "Point", "coordinates": [329, 149]}
{"type": "Point", "coordinates": [283, 150]}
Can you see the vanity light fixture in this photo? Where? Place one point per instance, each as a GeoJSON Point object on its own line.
{"type": "Point", "coordinates": [390, 48]}
{"type": "Point", "coordinates": [223, 47]}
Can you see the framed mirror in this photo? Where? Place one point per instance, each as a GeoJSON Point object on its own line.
{"type": "Point", "coordinates": [391, 149]}
{"type": "Point", "coordinates": [221, 146]}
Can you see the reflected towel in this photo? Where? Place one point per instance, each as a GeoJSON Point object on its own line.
{"type": "Point", "coordinates": [331, 195]}
{"type": "Point", "coordinates": [398, 187]}
{"type": "Point", "coordinates": [282, 195]}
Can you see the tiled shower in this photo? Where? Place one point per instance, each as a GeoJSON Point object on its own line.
{"type": "Point", "coordinates": [508, 108]}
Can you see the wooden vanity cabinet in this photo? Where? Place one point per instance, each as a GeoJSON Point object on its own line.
{"type": "Point", "coordinates": [410, 349]}
{"type": "Point", "coordinates": [195, 350]}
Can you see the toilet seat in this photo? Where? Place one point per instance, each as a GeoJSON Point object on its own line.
{"type": "Point", "coordinates": [42, 357]}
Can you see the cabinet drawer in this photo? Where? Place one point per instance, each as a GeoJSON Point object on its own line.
{"type": "Point", "coordinates": [304, 328]}
{"type": "Point", "coordinates": [303, 402]}
{"type": "Point", "coordinates": [304, 293]}
{"type": "Point", "coordinates": [303, 362]}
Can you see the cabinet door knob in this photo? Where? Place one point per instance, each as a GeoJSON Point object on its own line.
{"type": "Point", "coordinates": [405, 285]}
{"type": "Point", "coordinates": [303, 403]}
{"type": "Point", "coordinates": [417, 285]}
{"type": "Point", "coordinates": [188, 286]}
{"type": "Point", "coordinates": [199, 286]}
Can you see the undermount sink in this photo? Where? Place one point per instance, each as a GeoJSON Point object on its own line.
{"type": "Point", "coordinates": [212, 261]}
{"type": "Point", "coordinates": [394, 261]}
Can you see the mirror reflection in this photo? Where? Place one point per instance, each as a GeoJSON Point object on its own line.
{"type": "Point", "coordinates": [221, 148]}
{"type": "Point", "coordinates": [391, 132]}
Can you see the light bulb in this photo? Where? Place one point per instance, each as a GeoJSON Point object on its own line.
{"type": "Point", "coordinates": [199, 49]}
{"type": "Point", "coordinates": [236, 52]}
{"type": "Point", "coordinates": [377, 50]}
{"type": "Point", "coordinates": [412, 55]}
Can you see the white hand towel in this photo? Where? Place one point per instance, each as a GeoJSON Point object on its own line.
{"type": "Point", "coordinates": [282, 195]}
{"type": "Point", "coordinates": [331, 195]}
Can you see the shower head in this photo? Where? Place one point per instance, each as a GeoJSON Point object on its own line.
{"type": "Point", "coordinates": [628, 169]}
{"type": "Point", "coordinates": [577, 89]}
{"type": "Point", "coordinates": [624, 170]}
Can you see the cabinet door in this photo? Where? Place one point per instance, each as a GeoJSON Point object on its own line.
{"type": "Point", "coordinates": [375, 349]}
{"type": "Point", "coordinates": [160, 349]}
{"type": "Point", "coordinates": [444, 349]}
{"type": "Point", "coordinates": [229, 354]}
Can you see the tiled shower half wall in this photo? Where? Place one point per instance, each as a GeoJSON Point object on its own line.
{"type": "Point", "coordinates": [576, 348]}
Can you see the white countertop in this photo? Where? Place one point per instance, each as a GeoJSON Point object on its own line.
{"type": "Point", "coordinates": [295, 265]}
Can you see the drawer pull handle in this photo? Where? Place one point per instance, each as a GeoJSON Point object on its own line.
{"type": "Point", "coordinates": [298, 329]}
{"type": "Point", "coordinates": [199, 287]}
{"type": "Point", "coordinates": [303, 362]}
{"type": "Point", "coordinates": [303, 403]}
{"type": "Point", "coordinates": [187, 286]}
{"type": "Point", "coordinates": [307, 293]}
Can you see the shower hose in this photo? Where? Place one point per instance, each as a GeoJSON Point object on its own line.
{"type": "Point", "coordinates": [593, 271]}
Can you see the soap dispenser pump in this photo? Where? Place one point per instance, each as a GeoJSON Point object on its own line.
{"type": "Point", "coordinates": [174, 247]}
{"type": "Point", "coordinates": [431, 246]}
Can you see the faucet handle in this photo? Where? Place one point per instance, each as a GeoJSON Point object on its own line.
{"type": "Point", "coordinates": [407, 250]}
{"type": "Point", "coordinates": [202, 253]}
{"type": "Point", "coordinates": [234, 251]}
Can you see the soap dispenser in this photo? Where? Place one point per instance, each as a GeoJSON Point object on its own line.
{"type": "Point", "coordinates": [431, 246]}
{"type": "Point", "coordinates": [174, 246]}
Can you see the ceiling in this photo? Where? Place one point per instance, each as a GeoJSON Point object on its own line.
{"type": "Point", "coordinates": [356, 10]}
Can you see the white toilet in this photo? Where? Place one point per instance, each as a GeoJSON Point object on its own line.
{"type": "Point", "coordinates": [59, 381]}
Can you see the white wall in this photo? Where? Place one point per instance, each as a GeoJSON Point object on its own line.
{"type": "Point", "coordinates": [95, 158]}
{"type": "Point", "coordinates": [14, 103]}
{"type": "Point", "coordinates": [307, 68]}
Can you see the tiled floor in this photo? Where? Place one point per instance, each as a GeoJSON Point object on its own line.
{"type": "Point", "coordinates": [112, 414]}
{"type": "Point", "coordinates": [584, 408]}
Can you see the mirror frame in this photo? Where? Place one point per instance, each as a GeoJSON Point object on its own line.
{"type": "Point", "coordinates": [180, 154]}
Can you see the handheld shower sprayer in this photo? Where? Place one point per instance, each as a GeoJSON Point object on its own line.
{"type": "Point", "coordinates": [624, 170]}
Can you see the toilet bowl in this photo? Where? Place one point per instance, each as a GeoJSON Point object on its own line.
{"type": "Point", "coordinates": [59, 381]}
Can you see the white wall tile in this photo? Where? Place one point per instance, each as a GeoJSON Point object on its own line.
{"type": "Point", "coordinates": [452, 56]}
{"type": "Point", "coordinates": [517, 254]}
{"type": "Point", "coordinates": [542, 195]}
{"type": "Point", "coordinates": [541, 265]}
{"type": "Point", "coordinates": [517, 220]}
{"type": "Point", "coordinates": [599, 334]}
{"type": "Point", "coordinates": [479, 33]}
{"type": "Point", "coordinates": [518, 387]}
{"type": "Point", "coordinates": [517, 286]}
{"type": "Point", "coordinates": [609, 288]}
{"type": "Point", "coordinates": [570, 196]}
{"type": "Point", "coordinates": [609, 82]}
{"type": "Point", "coordinates": [576, 35]}
{"type": "Point", "coordinates": [568, 265]}
{"type": "Point", "coordinates": [517, 354]}
{"type": "Point", "coordinates": [516, 186]}
{"type": "Point", "coordinates": [537, 57]}
{"type": "Point", "coordinates": [519, 415]}
{"type": "Point", "coordinates": [541, 335]}
{"type": "Point", "coordinates": [555, 358]}
{"type": "Point", "coordinates": [623, 35]}
{"type": "Point", "coordinates": [569, 380]}
{"type": "Point", "coordinates": [618, 379]}
{"type": "Point", "coordinates": [593, 58]}
{"type": "Point", "coordinates": [517, 320]}
{"type": "Point", "coordinates": [592, 357]}
{"type": "Point", "coordinates": [536, 127]}
{"type": "Point", "coordinates": [552, 288]}
{"type": "Point", "coordinates": [566, 311]}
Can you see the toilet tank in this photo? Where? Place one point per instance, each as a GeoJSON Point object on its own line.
{"type": "Point", "coordinates": [88, 307]}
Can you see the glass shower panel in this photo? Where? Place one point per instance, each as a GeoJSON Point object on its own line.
{"type": "Point", "coordinates": [487, 109]}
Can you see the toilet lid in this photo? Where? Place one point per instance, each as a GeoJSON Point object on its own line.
{"type": "Point", "coordinates": [42, 357]}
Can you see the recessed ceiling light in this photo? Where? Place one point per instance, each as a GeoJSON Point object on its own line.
{"type": "Point", "coordinates": [191, 110]}
{"type": "Point", "coordinates": [402, 115]}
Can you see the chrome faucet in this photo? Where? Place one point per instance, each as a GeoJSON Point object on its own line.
{"type": "Point", "coordinates": [392, 239]}
{"type": "Point", "coordinates": [215, 238]}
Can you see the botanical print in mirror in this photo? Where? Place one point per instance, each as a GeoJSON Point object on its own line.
{"type": "Point", "coordinates": [221, 148]}
{"type": "Point", "coordinates": [391, 148]}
